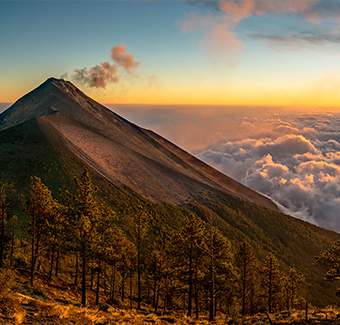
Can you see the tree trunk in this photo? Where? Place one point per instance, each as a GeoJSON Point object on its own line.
{"type": "Point", "coordinates": [156, 305]}
{"type": "Point", "coordinates": [51, 267]}
{"type": "Point", "coordinates": [148, 294]}
{"type": "Point", "coordinates": [57, 265]}
{"type": "Point", "coordinates": [131, 289]}
{"type": "Point", "coordinates": [123, 283]}
{"type": "Point", "coordinates": [113, 280]}
{"type": "Point", "coordinates": [91, 279]}
{"type": "Point", "coordinates": [212, 287]}
{"type": "Point", "coordinates": [37, 246]}
{"type": "Point", "coordinates": [164, 301]}
{"type": "Point", "coordinates": [244, 289]}
{"type": "Point", "coordinates": [252, 297]}
{"type": "Point", "coordinates": [292, 298]}
{"type": "Point", "coordinates": [105, 279]}
{"type": "Point", "coordinates": [196, 295]}
{"type": "Point", "coordinates": [165, 295]}
{"type": "Point", "coordinates": [33, 251]}
{"type": "Point", "coordinates": [215, 307]}
{"type": "Point", "coordinates": [190, 287]}
{"type": "Point", "coordinates": [83, 282]}
{"type": "Point", "coordinates": [12, 248]}
{"type": "Point", "coordinates": [138, 278]}
{"type": "Point", "coordinates": [270, 289]}
{"type": "Point", "coordinates": [154, 291]}
{"type": "Point", "coordinates": [98, 284]}
{"type": "Point", "coordinates": [76, 274]}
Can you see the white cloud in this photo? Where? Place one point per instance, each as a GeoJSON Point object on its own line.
{"type": "Point", "coordinates": [295, 160]}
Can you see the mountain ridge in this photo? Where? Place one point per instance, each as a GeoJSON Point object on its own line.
{"type": "Point", "coordinates": [84, 123]}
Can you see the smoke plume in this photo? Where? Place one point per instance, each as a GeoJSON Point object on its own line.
{"type": "Point", "coordinates": [119, 55]}
{"type": "Point", "coordinates": [106, 73]}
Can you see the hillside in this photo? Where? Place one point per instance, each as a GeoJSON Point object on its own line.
{"type": "Point", "coordinates": [56, 131]}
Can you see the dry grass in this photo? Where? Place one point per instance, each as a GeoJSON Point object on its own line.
{"type": "Point", "coordinates": [55, 303]}
{"type": "Point", "coordinates": [10, 303]}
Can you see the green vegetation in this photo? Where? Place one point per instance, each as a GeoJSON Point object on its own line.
{"type": "Point", "coordinates": [197, 253]}
{"type": "Point", "coordinates": [331, 258]}
{"type": "Point", "coordinates": [192, 267]}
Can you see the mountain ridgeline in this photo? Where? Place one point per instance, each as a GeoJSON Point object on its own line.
{"type": "Point", "coordinates": [56, 131]}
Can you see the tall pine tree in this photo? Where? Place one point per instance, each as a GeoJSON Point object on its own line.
{"type": "Point", "coordinates": [39, 206]}
{"type": "Point", "coordinates": [187, 252]}
{"type": "Point", "coordinates": [139, 225]}
{"type": "Point", "coordinates": [247, 264]}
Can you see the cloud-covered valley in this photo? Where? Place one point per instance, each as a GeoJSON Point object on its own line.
{"type": "Point", "coordinates": [291, 156]}
{"type": "Point", "coordinates": [293, 159]}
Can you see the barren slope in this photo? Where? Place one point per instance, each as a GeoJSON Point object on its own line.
{"type": "Point", "coordinates": [119, 150]}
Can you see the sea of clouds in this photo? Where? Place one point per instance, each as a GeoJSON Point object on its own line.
{"type": "Point", "coordinates": [290, 155]}
{"type": "Point", "coordinates": [292, 158]}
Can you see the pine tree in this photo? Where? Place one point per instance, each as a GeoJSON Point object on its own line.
{"type": "Point", "coordinates": [295, 280]}
{"type": "Point", "coordinates": [117, 248]}
{"type": "Point", "coordinates": [85, 217]}
{"type": "Point", "coordinates": [139, 230]}
{"type": "Point", "coordinates": [186, 252]}
{"type": "Point", "coordinates": [225, 271]}
{"type": "Point", "coordinates": [126, 261]}
{"type": "Point", "coordinates": [39, 206]}
{"type": "Point", "coordinates": [271, 280]}
{"type": "Point", "coordinates": [331, 258]}
{"type": "Point", "coordinates": [246, 263]}
{"type": "Point", "coordinates": [56, 233]}
{"type": "Point", "coordinates": [105, 230]}
{"type": "Point", "coordinates": [218, 252]}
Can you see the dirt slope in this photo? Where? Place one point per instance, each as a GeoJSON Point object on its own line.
{"type": "Point", "coordinates": [119, 150]}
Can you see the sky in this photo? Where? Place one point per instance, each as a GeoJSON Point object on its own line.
{"type": "Point", "coordinates": [228, 52]}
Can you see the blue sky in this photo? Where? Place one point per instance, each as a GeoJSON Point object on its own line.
{"type": "Point", "coordinates": [241, 52]}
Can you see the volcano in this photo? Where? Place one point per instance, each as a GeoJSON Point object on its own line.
{"type": "Point", "coordinates": [120, 151]}
{"type": "Point", "coordinates": [56, 131]}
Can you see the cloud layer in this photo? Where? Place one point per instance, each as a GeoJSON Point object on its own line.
{"type": "Point", "coordinates": [106, 73]}
{"type": "Point", "coordinates": [293, 159]}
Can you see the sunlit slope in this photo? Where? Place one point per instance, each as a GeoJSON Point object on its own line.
{"type": "Point", "coordinates": [119, 150]}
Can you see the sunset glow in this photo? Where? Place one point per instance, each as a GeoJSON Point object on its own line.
{"type": "Point", "coordinates": [215, 53]}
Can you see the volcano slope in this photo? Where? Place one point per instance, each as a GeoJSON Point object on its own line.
{"type": "Point", "coordinates": [56, 131]}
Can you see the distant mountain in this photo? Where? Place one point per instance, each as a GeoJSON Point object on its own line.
{"type": "Point", "coordinates": [55, 131]}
